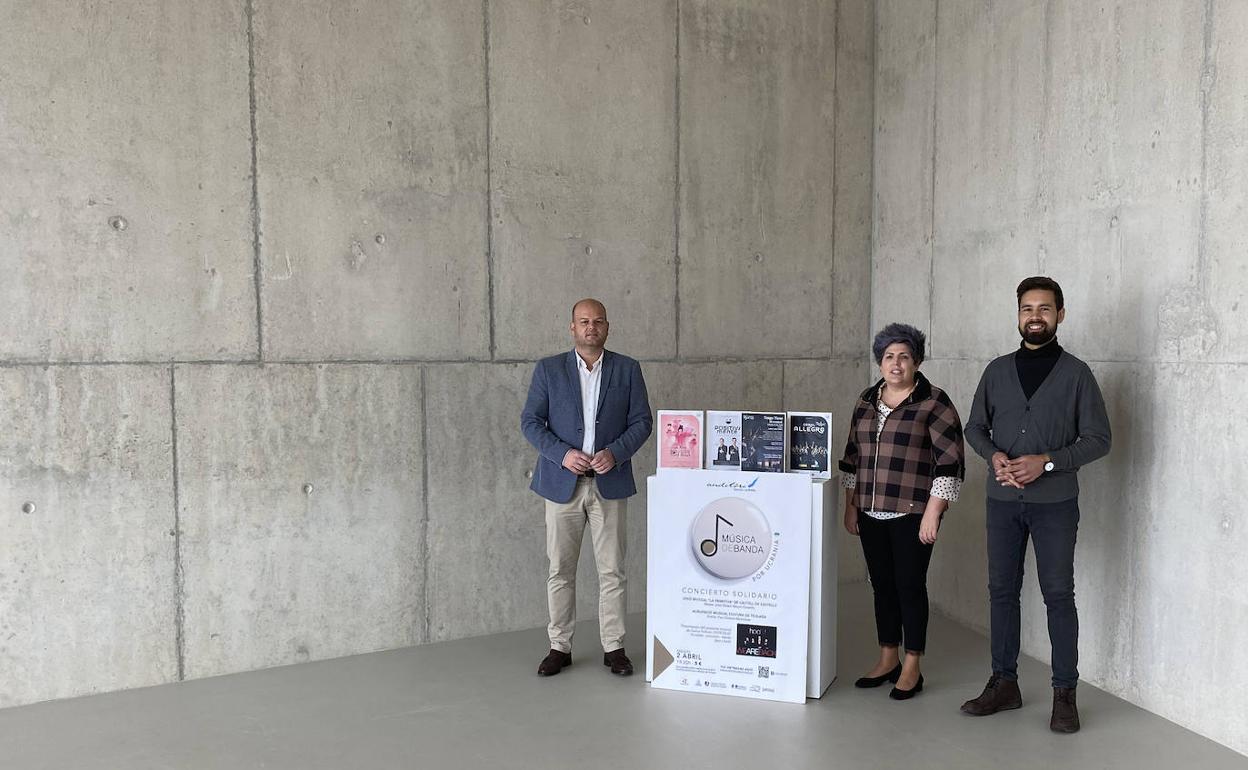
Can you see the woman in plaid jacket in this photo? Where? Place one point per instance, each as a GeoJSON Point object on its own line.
{"type": "Point", "coordinates": [903, 466]}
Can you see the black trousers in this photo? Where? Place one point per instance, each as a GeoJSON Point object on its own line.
{"type": "Point", "coordinates": [897, 563]}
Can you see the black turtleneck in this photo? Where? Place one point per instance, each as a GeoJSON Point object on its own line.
{"type": "Point", "coordinates": [1035, 365]}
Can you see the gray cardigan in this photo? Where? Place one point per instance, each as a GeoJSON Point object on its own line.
{"type": "Point", "coordinates": [1065, 418]}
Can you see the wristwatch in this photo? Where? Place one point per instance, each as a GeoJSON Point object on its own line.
{"type": "Point", "coordinates": [1049, 466]}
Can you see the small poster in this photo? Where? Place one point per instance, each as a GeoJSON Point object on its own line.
{"type": "Point", "coordinates": [723, 441]}
{"type": "Point", "coordinates": [680, 439]}
{"type": "Point", "coordinates": [762, 441]}
{"type": "Point", "coordinates": [810, 443]}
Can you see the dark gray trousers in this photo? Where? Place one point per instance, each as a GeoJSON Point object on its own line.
{"type": "Point", "coordinates": [1052, 528]}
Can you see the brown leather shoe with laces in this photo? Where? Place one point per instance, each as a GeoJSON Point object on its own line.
{"type": "Point", "coordinates": [1065, 717]}
{"type": "Point", "coordinates": [618, 662]}
{"type": "Point", "coordinates": [554, 662]}
{"type": "Point", "coordinates": [998, 695]}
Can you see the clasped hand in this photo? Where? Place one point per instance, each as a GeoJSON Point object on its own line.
{"type": "Point", "coordinates": [1018, 472]}
{"type": "Point", "coordinates": [578, 462]}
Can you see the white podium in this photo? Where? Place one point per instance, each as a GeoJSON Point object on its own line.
{"type": "Point", "coordinates": [741, 584]}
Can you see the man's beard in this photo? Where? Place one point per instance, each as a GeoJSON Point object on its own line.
{"type": "Point", "coordinates": [1040, 337]}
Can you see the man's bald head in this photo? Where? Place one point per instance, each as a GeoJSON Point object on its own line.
{"type": "Point", "coordinates": [589, 305]}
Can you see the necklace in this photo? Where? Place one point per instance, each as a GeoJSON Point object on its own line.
{"type": "Point", "coordinates": [904, 396]}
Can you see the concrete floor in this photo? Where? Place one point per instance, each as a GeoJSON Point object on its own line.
{"type": "Point", "coordinates": [477, 703]}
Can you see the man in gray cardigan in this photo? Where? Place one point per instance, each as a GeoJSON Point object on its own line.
{"type": "Point", "coordinates": [1038, 416]}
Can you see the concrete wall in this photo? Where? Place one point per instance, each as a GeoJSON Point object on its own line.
{"type": "Point", "coordinates": [276, 274]}
{"type": "Point", "coordinates": [1100, 143]}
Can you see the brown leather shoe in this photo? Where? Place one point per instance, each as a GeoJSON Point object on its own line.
{"type": "Point", "coordinates": [554, 662]}
{"type": "Point", "coordinates": [1065, 717]}
{"type": "Point", "coordinates": [618, 661]}
{"type": "Point", "coordinates": [998, 695]}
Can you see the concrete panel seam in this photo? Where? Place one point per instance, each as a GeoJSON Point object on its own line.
{"type": "Point", "coordinates": [784, 365]}
{"type": "Point", "coordinates": [179, 575]}
{"type": "Point", "coordinates": [836, 115]}
{"type": "Point", "coordinates": [394, 361]}
{"type": "Point", "coordinates": [509, 361]}
{"type": "Point", "coordinates": [739, 359]}
{"type": "Point", "coordinates": [875, 56]}
{"type": "Point", "coordinates": [1208, 75]}
{"type": "Point", "coordinates": [255, 178]}
{"type": "Point", "coordinates": [489, 179]}
{"type": "Point", "coordinates": [18, 363]}
{"type": "Point", "coordinates": [652, 360]}
{"type": "Point", "coordinates": [931, 230]}
{"type": "Point", "coordinates": [1043, 174]}
{"type": "Point", "coordinates": [676, 198]}
{"type": "Point", "coordinates": [1134, 361]}
{"type": "Point", "coordinates": [424, 493]}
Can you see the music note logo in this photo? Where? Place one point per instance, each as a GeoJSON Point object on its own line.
{"type": "Point", "coordinates": [710, 546]}
{"type": "Point", "coordinates": [731, 538]}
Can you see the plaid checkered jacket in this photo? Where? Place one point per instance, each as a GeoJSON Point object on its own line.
{"type": "Point", "coordinates": [921, 440]}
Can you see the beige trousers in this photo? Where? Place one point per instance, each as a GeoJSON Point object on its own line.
{"type": "Point", "coordinates": [565, 529]}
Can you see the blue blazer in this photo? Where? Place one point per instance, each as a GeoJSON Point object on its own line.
{"type": "Point", "coordinates": [552, 421]}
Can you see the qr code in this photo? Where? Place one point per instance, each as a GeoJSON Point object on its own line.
{"type": "Point", "coordinates": [764, 672]}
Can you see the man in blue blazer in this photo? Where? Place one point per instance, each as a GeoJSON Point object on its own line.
{"type": "Point", "coordinates": [587, 414]}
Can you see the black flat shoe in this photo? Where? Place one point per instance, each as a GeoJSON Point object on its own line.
{"type": "Point", "coordinates": [898, 694]}
{"type": "Point", "coordinates": [876, 681]}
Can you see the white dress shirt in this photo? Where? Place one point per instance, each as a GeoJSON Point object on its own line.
{"type": "Point", "coordinates": [591, 384]}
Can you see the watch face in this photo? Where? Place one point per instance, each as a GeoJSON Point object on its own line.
{"type": "Point", "coordinates": [1048, 466]}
